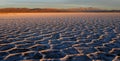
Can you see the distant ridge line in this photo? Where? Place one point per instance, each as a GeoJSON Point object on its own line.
{"type": "Point", "coordinates": [29, 10]}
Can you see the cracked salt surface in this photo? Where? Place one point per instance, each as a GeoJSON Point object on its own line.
{"type": "Point", "coordinates": [60, 37]}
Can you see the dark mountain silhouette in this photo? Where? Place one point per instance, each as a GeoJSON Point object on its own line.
{"type": "Point", "coordinates": [27, 10]}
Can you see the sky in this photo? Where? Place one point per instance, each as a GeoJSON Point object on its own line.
{"type": "Point", "coordinates": [104, 4]}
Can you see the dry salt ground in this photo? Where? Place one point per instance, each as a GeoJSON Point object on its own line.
{"type": "Point", "coordinates": [60, 37]}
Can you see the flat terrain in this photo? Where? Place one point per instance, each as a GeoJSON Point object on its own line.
{"type": "Point", "coordinates": [60, 37]}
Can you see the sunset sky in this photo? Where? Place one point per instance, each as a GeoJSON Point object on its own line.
{"type": "Point", "coordinates": [105, 4]}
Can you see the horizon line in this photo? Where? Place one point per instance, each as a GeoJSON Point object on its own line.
{"type": "Point", "coordinates": [58, 8]}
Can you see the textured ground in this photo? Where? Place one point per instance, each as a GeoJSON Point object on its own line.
{"type": "Point", "coordinates": [60, 37]}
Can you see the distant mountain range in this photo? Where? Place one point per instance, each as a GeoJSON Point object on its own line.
{"type": "Point", "coordinates": [81, 9]}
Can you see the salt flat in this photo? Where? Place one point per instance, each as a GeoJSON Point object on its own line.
{"type": "Point", "coordinates": [60, 37]}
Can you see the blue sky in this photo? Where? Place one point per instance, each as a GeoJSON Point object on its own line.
{"type": "Point", "coordinates": [105, 4]}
